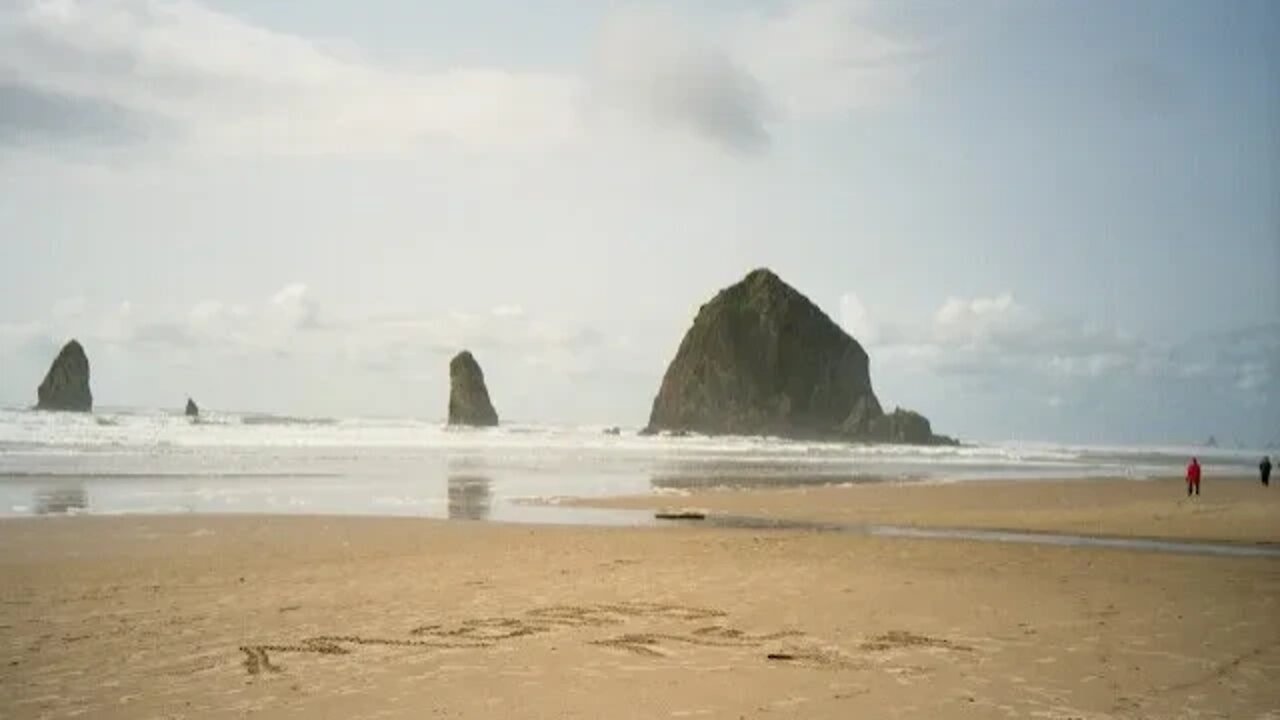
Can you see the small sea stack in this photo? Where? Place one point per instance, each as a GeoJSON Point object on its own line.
{"type": "Point", "coordinates": [192, 410]}
{"type": "Point", "coordinates": [468, 397]}
{"type": "Point", "coordinates": [66, 385]}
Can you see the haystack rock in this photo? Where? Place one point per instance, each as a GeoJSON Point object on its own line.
{"type": "Point", "coordinates": [66, 385]}
{"type": "Point", "coordinates": [192, 410]}
{"type": "Point", "coordinates": [761, 359]}
{"type": "Point", "coordinates": [468, 397]}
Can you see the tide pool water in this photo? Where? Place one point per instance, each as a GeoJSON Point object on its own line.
{"type": "Point", "coordinates": [145, 461]}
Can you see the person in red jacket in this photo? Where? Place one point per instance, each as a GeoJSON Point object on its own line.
{"type": "Point", "coordinates": [1193, 477]}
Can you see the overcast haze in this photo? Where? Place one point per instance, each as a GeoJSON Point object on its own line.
{"type": "Point", "coordinates": [1045, 220]}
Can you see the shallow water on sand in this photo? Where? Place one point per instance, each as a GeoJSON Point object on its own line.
{"type": "Point", "coordinates": [1028, 537]}
{"type": "Point", "coordinates": [140, 461]}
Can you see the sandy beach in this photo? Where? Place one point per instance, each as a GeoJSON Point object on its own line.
{"type": "Point", "coordinates": [228, 616]}
{"type": "Point", "coordinates": [1233, 509]}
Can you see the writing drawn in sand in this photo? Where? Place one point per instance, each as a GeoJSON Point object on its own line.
{"type": "Point", "coordinates": [488, 632]}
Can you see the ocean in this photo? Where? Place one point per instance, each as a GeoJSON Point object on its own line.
{"type": "Point", "coordinates": [149, 461]}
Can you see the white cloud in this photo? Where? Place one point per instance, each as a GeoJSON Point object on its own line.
{"type": "Point", "coordinates": [856, 321]}
{"type": "Point", "coordinates": [295, 345]}
{"type": "Point", "coordinates": [293, 306]}
{"type": "Point", "coordinates": [224, 85]}
{"type": "Point", "coordinates": [1092, 365]}
{"type": "Point", "coordinates": [1254, 375]}
{"type": "Point", "coordinates": [191, 77]}
{"type": "Point", "coordinates": [650, 63]}
{"type": "Point", "coordinates": [508, 311]}
{"type": "Point", "coordinates": [293, 320]}
{"type": "Point", "coordinates": [1001, 334]}
{"type": "Point", "coordinates": [982, 319]}
{"type": "Point", "coordinates": [996, 336]}
{"type": "Point", "coordinates": [1023, 371]}
{"type": "Point", "coordinates": [824, 57]}
{"type": "Point", "coordinates": [735, 83]}
{"type": "Point", "coordinates": [290, 294]}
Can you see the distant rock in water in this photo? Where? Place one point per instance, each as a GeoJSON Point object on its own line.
{"type": "Point", "coordinates": [468, 397]}
{"type": "Point", "coordinates": [761, 359]}
{"type": "Point", "coordinates": [192, 410]}
{"type": "Point", "coordinates": [66, 385]}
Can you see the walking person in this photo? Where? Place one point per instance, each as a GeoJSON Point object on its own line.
{"type": "Point", "coordinates": [1193, 477]}
{"type": "Point", "coordinates": [1264, 469]}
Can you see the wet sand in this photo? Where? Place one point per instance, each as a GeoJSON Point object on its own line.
{"type": "Point", "coordinates": [1228, 509]}
{"type": "Point", "coordinates": [224, 616]}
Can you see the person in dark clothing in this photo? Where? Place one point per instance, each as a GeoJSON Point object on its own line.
{"type": "Point", "coordinates": [1193, 477]}
{"type": "Point", "coordinates": [1264, 469]}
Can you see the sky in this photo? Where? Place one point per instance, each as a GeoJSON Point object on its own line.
{"type": "Point", "coordinates": [1045, 220]}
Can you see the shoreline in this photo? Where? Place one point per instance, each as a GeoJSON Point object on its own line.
{"type": "Point", "coordinates": [1231, 511]}
{"type": "Point", "coordinates": [741, 524]}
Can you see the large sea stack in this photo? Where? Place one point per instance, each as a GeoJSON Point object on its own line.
{"type": "Point", "coordinates": [192, 410]}
{"type": "Point", "coordinates": [761, 359]}
{"type": "Point", "coordinates": [66, 385]}
{"type": "Point", "coordinates": [468, 397]}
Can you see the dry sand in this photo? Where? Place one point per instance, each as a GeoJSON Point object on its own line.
{"type": "Point", "coordinates": [135, 617]}
{"type": "Point", "coordinates": [1228, 509]}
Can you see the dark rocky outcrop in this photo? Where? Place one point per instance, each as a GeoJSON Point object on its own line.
{"type": "Point", "coordinates": [192, 409]}
{"type": "Point", "coordinates": [468, 397]}
{"type": "Point", "coordinates": [66, 385]}
{"type": "Point", "coordinates": [903, 427]}
{"type": "Point", "coordinates": [761, 359]}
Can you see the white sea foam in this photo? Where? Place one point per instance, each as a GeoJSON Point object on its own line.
{"type": "Point", "coordinates": [117, 459]}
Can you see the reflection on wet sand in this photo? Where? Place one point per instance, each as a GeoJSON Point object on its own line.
{"type": "Point", "coordinates": [754, 477]}
{"type": "Point", "coordinates": [60, 500]}
{"type": "Point", "coordinates": [1033, 537]}
{"type": "Point", "coordinates": [470, 496]}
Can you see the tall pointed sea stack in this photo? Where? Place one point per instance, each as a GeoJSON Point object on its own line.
{"type": "Point", "coordinates": [468, 397]}
{"type": "Point", "coordinates": [66, 385]}
{"type": "Point", "coordinates": [761, 359]}
{"type": "Point", "coordinates": [192, 410]}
